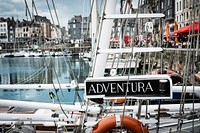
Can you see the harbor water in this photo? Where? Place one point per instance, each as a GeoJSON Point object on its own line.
{"type": "Point", "coordinates": [42, 70]}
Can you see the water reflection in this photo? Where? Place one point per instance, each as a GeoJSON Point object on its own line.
{"type": "Point", "coordinates": [41, 70]}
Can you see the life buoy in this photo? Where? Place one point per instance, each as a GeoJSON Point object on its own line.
{"type": "Point", "coordinates": [111, 122]}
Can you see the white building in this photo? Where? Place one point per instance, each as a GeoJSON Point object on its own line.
{"type": "Point", "coordinates": [185, 13]}
{"type": "Point", "coordinates": [179, 13]}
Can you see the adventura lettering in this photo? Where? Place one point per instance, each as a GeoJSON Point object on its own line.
{"type": "Point", "coordinates": [132, 87]}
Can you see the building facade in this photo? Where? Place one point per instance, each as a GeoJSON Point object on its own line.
{"type": "Point", "coordinates": [7, 30]}
{"type": "Point", "coordinates": [56, 34]}
{"type": "Point", "coordinates": [45, 25]}
{"type": "Point", "coordinates": [27, 32]}
{"type": "Point", "coordinates": [74, 28]}
{"type": "Point", "coordinates": [78, 28]}
{"type": "Point", "coordinates": [187, 11]}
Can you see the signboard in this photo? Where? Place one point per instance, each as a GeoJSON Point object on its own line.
{"type": "Point", "coordinates": [138, 87]}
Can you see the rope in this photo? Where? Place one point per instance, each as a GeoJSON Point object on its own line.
{"type": "Point", "coordinates": [185, 80]}
{"type": "Point", "coordinates": [56, 12]}
{"type": "Point", "coordinates": [130, 64]}
{"type": "Point", "coordinates": [27, 9]}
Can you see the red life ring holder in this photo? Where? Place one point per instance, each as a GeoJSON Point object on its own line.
{"type": "Point", "coordinates": [128, 122]}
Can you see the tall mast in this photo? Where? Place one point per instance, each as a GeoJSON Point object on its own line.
{"type": "Point", "coordinates": [94, 22]}
{"type": "Point", "coordinates": [104, 41]}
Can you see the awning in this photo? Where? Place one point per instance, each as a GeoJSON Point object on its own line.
{"type": "Point", "coordinates": [188, 28]}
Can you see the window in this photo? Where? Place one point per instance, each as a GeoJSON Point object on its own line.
{"type": "Point", "coordinates": [168, 2]}
{"type": "Point", "coordinates": [183, 4]}
{"type": "Point", "coordinates": [25, 35]}
{"type": "Point", "coordinates": [186, 4]}
{"type": "Point", "coordinates": [177, 18]}
{"type": "Point", "coordinates": [177, 6]}
{"type": "Point", "coordinates": [180, 5]}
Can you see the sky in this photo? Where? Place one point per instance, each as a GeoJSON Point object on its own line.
{"type": "Point", "coordinates": [66, 9]}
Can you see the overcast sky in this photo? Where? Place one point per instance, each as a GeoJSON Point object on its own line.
{"type": "Point", "coordinates": [66, 9]}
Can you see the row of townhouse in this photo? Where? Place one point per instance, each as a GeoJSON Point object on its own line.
{"type": "Point", "coordinates": [38, 31]}
{"type": "Point", "coordinates": [179, 12]}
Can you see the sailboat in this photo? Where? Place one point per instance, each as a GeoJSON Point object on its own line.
{"type": "Point", "coordinates": [101, 110]}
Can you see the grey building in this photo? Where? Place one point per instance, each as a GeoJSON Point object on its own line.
{"type": "Point", "coordinates": [74, 27]}
{"type": "Point", "coordinates": [78, 28]}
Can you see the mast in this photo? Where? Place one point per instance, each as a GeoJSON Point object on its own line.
{"type": "Point", "coordinates": [103, 43]}
{"type": "Point", "coordinates": [94, 22]}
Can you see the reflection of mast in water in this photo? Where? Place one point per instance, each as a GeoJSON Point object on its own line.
{"type": "Point", "coordinates": [34, 70]}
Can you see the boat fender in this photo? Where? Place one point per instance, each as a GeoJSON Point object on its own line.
{"type": "Point", "coordinates": [113, 72]}
{"type": "Point", "coordinates": [74, 84]}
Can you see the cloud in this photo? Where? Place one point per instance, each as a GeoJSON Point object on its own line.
{"type": "Point", "coordinates": [16, 1]}
{"type": "Point", "coordinates": [66, 9]}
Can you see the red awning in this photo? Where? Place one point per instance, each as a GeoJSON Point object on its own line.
{"type": "Point", "coordinates": [188, 28]}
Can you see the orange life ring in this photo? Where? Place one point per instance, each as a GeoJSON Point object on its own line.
{"type": "Point", "coordinates": [120, 100]}
{"type": "Point", "coordinates": [128, 122]}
